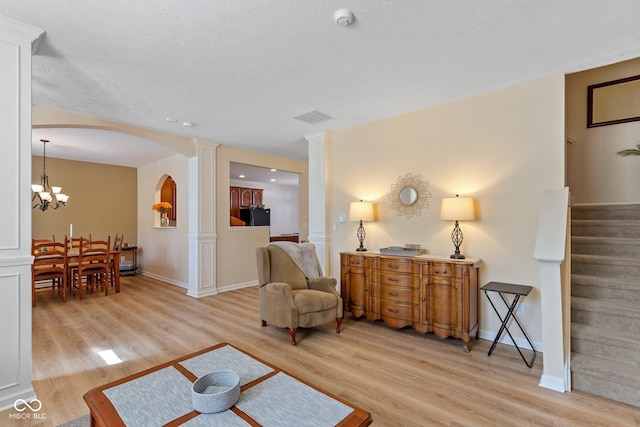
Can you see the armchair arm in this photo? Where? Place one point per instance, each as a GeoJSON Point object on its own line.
{"type": "Point", "coordinates": [278, 289]}
{"type": "Point", "coordinates": [325, 284]}
{"type": "Point", "coordinates": [276, 305]}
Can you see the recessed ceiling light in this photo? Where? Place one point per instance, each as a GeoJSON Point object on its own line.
{"type": "Point", "coordinates": [188, 124]}
{"type": "Point", "coordinates": [241, 176]}
{"type": "Point", "coordinates": [274, 170]}
{"type": "Point", "coordinates": [272, 180]}
{"type": "Point", "coordinates": [171, 119]}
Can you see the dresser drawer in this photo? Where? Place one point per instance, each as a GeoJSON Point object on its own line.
{"type": "Point", "coordinates": [442, 269]}
{"type": "Point", "coordinates": [356, 261]}
{"type": "Point", "coordinates": [395, 293]}
{"type": "Point", "coordinates": [394, 279]}
{"type": "Point", "coordinates": [395, 310]}
{"type": "Point", "coordinates": [396, 265]}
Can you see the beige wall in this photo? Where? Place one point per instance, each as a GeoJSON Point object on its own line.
{"type": "Point", "coordinates": [102, 200]}
{"type": "Point", "coordinates": [502, 148]}
{"type": "Point", "coordinates": [595, 173]}
{"type": "Point", "coordinates": [236, 246]}
{"type": "Point", "coordinates": [164, 252]}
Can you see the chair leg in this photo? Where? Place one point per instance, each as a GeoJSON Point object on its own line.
{"type": "Point", "coordinates": [292, 332]}
{"type": "Point", "coordinates": [338, 324]}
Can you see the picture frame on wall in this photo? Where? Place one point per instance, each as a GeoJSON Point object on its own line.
{"type": "Point", "coordinates": [614, 102]}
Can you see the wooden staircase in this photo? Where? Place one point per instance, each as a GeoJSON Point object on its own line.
{"type": "Point", "coordinates": [605, 301]}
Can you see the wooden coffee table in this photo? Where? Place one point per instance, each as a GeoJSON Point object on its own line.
{"type": "Point", "coordinates": [162, 395]}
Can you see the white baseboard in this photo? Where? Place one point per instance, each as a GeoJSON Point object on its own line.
{"type": "Point", "coordinates": [164, 279]}
{"type": "Point", "coordinates": [237, 286]}
{"type": "Point", "coordinates": [505, 339]}
{"type": "Point", "coordinates": [553, 383]}
{"type": "Point", "coordinates": [8, 401]}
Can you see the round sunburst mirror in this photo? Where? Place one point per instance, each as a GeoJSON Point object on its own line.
{"type": "Point", "coordinates": [409, 195]}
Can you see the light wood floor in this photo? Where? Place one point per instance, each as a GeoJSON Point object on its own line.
{"type": "Point", "coordinates": [402, 378]}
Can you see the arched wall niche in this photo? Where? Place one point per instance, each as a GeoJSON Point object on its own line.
{"type": "Point", "coordinates": [167, 191]}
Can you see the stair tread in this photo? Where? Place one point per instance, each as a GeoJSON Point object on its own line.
{"type": "Point", "coordinates": [606, 369]}
{"type": "Point", "coordinates": [623, 308]}
{"type": "Point", "coordinates": [605, 240]}
{"type": "Point", "coordinates": [584, 279]}
{"type": "Point", "coordinates": [604, 259]}
{"type": "Point", "coordinates": [607, 222]}
{"type": "Point", "coordinates": [604, 207]}
{"type": "Point", "coordinates": [607, 336]}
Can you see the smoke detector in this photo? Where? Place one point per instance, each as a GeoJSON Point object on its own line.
{"type": "Point", "coordinates": [343, 17]}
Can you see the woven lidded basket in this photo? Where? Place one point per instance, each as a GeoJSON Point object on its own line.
{"type": "Point", "coordinates": [216, 391]}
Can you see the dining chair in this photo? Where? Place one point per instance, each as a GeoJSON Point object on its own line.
{"type": "Point", "coordinates": [117, 246]}
{"type": "Point", "coordinates": [53, 239]}
{"type": "Point", "coordinates": [49, 264]}
{"type": "Point", "coordinates": [93, 266]}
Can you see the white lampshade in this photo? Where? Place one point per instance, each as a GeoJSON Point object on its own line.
{"type": "Point", "coordinates": [44, 195]}
{"type": "Point", "coordinates": [62, 197]}
{"type": "Point", "coordinates": [457, 209]}
{"type": "Point", "coordinates": [36, 188]}
{"type": "Point", "coordinates": [56, 190]}
{"type": "Point", "coordinates": [361, 211]}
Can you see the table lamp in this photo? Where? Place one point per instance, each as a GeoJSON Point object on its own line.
{"type": "Point", "coordinates": [361, 211]}
{"type": "Point", "coordinates": [457, 209]}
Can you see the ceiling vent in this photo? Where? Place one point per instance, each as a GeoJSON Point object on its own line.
{"type": "Point", "coordinates": [313, 117]}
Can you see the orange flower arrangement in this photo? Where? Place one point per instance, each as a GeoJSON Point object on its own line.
{"type": "Point", "coordinates": [162, 207]}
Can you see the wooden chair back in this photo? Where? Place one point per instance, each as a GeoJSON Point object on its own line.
{"type": "Point", "coordinates": [94, 253]}
{"type": "Point", "coordinates": [49, 263]}
{"type": "Point", "coordinates": [53, 239]}
{"type": "Point", "coordinates": [117, 242]}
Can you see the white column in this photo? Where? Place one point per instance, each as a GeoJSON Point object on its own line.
{"type": "Point", "coordinates": [15, 234]}
{"type": "Point", "coordinates": [318, 189]}
{"type": "Point", "coordinates": [550, 251]}
{"type": "Point", "coordinates": [202, 221]}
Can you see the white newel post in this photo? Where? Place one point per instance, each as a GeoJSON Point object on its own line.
{"type": "Point", "coordinates": [550, 251]}
{"type": "Point", "coordinates": [317, 199]}
{"type": "Point", "coordinates": [202, 221]}
{"type": "Point", "coordinates": [16, 43]}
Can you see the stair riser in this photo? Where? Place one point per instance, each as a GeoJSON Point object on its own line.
{"type": "Point", "coordinates": [626, 272]}
{"type": "Point", "coordinates": [601, 292]}
{"type": "Point", "coordinates": [630, 355]}
{"type": "Point", "coordinates": [605, 231]}
{"type": "Point", "coordinates": [606, 320]}
{"type": "Point", "coordinates": [607, 389]}
{"type": "Point", "coordinates": [627, 251]}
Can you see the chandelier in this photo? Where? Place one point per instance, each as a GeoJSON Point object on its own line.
{"type": "Point", "coordinates": [45, 196]}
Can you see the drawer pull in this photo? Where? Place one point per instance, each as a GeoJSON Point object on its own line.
{"type": "Point", "coordinates": [393, 280]}
{"type": "Point", "coordinates": [393, 294]}
{"type": "Point", "coordinates": [424, 299]}
{"type": "Point", "coordinates": [356, 262]}
{"type": "Point", "coordinates": [393, 266]}
{"type": "Point", "coordinates": [393, 310]}
{"type": "Point", "coordinates": [437, 271]}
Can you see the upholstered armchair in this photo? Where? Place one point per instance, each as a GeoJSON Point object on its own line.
{"type": "Point", "coordinates": [293, 292]}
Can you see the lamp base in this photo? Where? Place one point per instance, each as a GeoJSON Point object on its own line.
{"type": "Point", "coordinates": [457, 256]}
{"type": "Point", "coordinates": [361, 249]}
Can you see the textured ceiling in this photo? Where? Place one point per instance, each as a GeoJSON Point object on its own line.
{"type": "Point", "coordinates": [240, 70]}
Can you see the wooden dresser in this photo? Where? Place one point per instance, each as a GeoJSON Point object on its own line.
{"type": "Point", "coordinates": [430, 293]}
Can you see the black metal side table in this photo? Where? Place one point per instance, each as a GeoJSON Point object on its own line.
{"type": "Point", "coordinates": [517, 291]}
